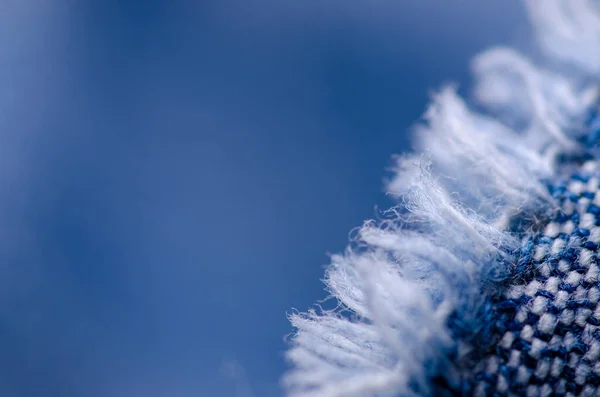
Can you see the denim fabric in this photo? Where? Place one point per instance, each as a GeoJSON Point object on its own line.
{"type": "Point", "coordinates": [483, 279]}
{"type": "Point", "coordinates": [543, 337]}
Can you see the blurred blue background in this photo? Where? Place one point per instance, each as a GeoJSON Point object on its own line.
{"type": "Point", "coordinates": [174, 174]}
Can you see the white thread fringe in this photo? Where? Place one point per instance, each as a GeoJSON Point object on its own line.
{"type": "Point", "coordinates": [401, 277]}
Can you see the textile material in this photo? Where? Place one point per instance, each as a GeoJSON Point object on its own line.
{"type": "Point", "coordinates": [483, 279]}
{"type": "Point", "coordinates": [544, 337]}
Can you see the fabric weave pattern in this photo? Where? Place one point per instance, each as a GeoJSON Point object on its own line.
{"type": "Point", "coordinates": [546, 328]}
{"type": "Point", "coordinates": [483, 279]}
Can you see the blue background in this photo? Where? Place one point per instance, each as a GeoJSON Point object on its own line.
{"type": "Point", "coordinates": [174, 174]}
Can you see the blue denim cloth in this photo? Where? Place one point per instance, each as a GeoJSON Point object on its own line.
{"type": "Point", "coordinates": [483, 279]}
{"type": "Point", "coordinates": [543, 337]}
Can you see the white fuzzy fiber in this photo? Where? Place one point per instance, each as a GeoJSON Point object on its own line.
{"type": "Point", "coordinates": [434, 253]}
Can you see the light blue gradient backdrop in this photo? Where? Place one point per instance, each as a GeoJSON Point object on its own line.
{"type": "Point", "coordinates": [174, 174]}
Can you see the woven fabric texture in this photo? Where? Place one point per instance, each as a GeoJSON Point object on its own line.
{"type": "Point", "coordinates": [544, 335]}
{"type": "Point", "coordinates": [483, 278]}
